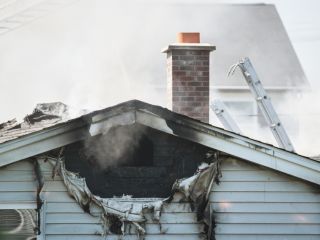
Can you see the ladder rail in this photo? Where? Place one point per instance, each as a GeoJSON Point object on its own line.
{"type": "Point", "coordinates": [264, 103]}
{"type": "Point", "coordinates": [223, 115]}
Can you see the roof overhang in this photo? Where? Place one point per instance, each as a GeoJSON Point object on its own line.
{"type": "Point", "coordinates": [166, 121]}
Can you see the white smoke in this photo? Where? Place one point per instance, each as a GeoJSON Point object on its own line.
{"type": "Point", "coordinates": [115, 147]}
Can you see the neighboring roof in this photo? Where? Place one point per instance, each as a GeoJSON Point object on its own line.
{"type": "Point", "coordinates": [127, 113]}
{"type": "Point", "coordinates": [242, 30]}
{"type": "Point", "coordinates": [255, 31]}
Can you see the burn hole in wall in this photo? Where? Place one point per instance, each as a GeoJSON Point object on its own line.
{"type": "Point", "coordinates": [133, 160]}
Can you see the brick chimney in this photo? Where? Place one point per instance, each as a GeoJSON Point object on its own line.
{"type": "Point", "coordinates": [188, 76]}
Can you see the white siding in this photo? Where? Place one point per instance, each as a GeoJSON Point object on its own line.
{"type": "Point", "coordinates": [66, 220]}
{"type": "Point", "coordinates": [253, 202]}
{"type": "Point", "coordinates": [18, 186]}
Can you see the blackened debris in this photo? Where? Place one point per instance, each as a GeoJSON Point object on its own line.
{"type": "Point", "coordinates": [47, 111]}
{"type": "Point", "coordinates": [9, 124]}
{"type": "Point", "coordinates": [115, 224]}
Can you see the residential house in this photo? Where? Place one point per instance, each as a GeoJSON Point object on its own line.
{"type": "Point", "coordinates": [140, 171]}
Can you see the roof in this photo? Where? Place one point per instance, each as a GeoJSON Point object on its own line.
{"type": "Point", "coordinates": [243, 30]}
{"type": "Point", "coordinates": [43, 116]}
{"type": "Point", "coordinates": [63, 132]}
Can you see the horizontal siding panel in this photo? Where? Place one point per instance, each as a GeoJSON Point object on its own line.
{"type": "Point", "coordinates": [15, 205]}
{"type": "Point", "coordinates": [66, 218]}
{"type": "Point", "coordinates": [74, 229]}
{"type": "Point", "coordinates": [128, 237]}
{"type": "Point", "coordinates": [17, 187]}
{"type": "Point", "coordinates": [18, 196]}
{"type": "Point", "coordinates": [71, 229]}
{"type": "Point", "coordinates": [304, 229]}
{"type": "Point", "coordinates": [57, 197]}
{"type": "Point", "coordinates": [17, 176]}
{"type": "Point", "coordinates": [264, 187]}
{"type": "Point", "coordinates": [305, 218]}
{"type": "Point", "coordinates": [264, 197]}
{"type": "Point", "coordinates": [249, 176]}
{"type": "Point", "coordinates": [24, 176]}
{"type": "Point", "coordinates": [253, 203]}
{"type": "Point", "coordinates": [24, 165]}
{"type": "Point", "coordinates": [87, 218]}
{"type": "Point", "coordinates": [54, 186]}
{"type": "Point", "coordinates": [236, 165]}
{"type": "Point", "coordinates": [65, 208]}
{"type": "Point", "coordinates": [266, 207]}
{"type": "Point", "coordinates": [27, 165]}
{"type": "Point", "coordinates": [60, 207]}
{"type": "Point", "coordinates": [266, 237]}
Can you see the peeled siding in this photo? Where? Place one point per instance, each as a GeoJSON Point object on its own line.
{"type": "Point", "coordinates": [253, 202]}
{"type": "Point", "coordinates": [66, 220]}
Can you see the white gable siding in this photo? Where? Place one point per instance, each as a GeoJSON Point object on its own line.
{"type": "Point", "coordinates": [253, 202]}
{"type": "Point", "coordinates": [18, 186]}
{"type": "Point", "coordinates": [66, 220]}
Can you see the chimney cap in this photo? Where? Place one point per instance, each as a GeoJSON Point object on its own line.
{"type": "Point", "coordinates": [188, 37]}
{"type": "Point", "coordinates": [189, 46]}
{"type": "Point", "coordinates": [188, 41]}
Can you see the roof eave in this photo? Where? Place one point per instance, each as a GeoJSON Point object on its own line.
{"type": "Point", "coordinates": [166, 121]}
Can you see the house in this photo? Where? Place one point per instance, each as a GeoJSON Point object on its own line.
{"type": "Point", "coordinates": [140, 171]}
{"type": "Point", "coordinates": [264, 192]}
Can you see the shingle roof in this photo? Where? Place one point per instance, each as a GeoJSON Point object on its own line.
{"type": "Point", "coordinates": [43, 116]}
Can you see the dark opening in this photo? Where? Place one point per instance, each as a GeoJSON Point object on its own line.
{"type": "Point", "coordinates": [133, 160]}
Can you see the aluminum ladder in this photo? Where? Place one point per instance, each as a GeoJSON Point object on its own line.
{"type": "Point", "coordinates": [264, 103]}
{"type": "Point", "coordinates": [223, 115]}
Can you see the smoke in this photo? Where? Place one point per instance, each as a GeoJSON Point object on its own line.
{"type": "Point", "coordinates": [304, 111]}
{"type": "Point", "coordinates": [115, 147]}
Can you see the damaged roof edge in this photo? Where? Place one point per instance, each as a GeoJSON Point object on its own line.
{"type": "Point", "coordinates": [59, 135]}
{"type": "Point", "coordinates": [268, 156]}
{"type": "Point", "coordinates": [163, 120]}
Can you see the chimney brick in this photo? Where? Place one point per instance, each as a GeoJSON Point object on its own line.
{"type": "Point", "coordinates": [188, 78]}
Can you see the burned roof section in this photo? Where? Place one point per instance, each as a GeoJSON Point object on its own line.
{"type": "Point", "coordinates": [34, 141]}
{"type": "Point", "coordinates": [43, 116]}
